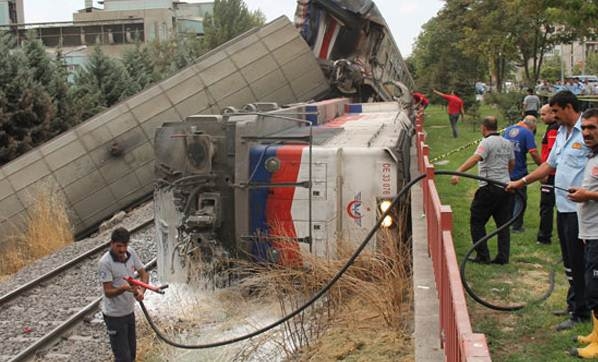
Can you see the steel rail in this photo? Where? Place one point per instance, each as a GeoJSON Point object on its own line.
{"type": "Point", "coordinates": [10, 295]}
{"type": "Point", "coordinates": [65, 326]}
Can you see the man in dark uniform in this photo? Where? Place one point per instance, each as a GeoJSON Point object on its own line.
{"type": "Point", "coordinates": [547, 200]}
{"type": "Point", "coordinates": [496, 159]}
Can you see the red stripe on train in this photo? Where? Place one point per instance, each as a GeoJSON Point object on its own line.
{"type": "Point", "coordinates": [279, 203]}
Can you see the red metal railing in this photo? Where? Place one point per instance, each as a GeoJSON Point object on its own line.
{"type": "Point", "coordinates": [458, 340]}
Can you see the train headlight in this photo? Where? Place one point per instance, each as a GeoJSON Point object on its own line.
{"type": "Point", "coordinates": [384, 205]}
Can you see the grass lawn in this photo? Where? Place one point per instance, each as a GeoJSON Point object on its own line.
{"type": "Point", "coordinates": [527, 334]}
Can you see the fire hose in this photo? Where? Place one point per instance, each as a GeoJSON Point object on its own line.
{"type": "Point", "coordinates": [354, 256]}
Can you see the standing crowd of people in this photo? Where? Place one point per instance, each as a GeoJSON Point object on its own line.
{"type": "Point", "coordinates": [568, 174]}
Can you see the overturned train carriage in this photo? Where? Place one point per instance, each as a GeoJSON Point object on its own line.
{"type": "Point", "coordinates": [265, 182]}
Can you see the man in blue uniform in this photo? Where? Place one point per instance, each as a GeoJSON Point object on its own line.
{"type": "Point", "coordinates": [586, 198]}
{"type": "Point", "coordinates": [568, 158]}
{"type": "Point", "coordinates": [522, 137]}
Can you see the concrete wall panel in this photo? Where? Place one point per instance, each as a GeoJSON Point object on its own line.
{"type": "Point", "coordinates": [185, 89]}
{"type": "Point", "coordinates": [258, 69]}
{"type": "Point", "coordinates": [249, 55]}
{"type": "Point", "coordinates": [74, 171]}
{"type": "Point", "coordinates": [10, 206]}
{"type": "Point", "coordinates": [125, 185]}
{"type": "Point", "coordinates": [122, 124]}
{"type": "Point", "coordinates": [64, 155]}
{"type": "Point", "coordinates": [58, 143]}
{"type": "Point", "coordinates": [149, 126]}
{"type": "Point", "coordinates": [84, 187]}
{"type": "Point", "coordinates": [217, 72]}
{"type": "Point", "coordinates": [192, 105]}
{"type": "Point", "coordinates": [97, 183]}
{"type": "Point", "coordinates": [29, 175]}
{"type": "Point", "coordinates": [227, 86]}
{"type": "Point", "coordinates": [152, 107]}
{"type": "Point", "coordinates": [239, 99]}
{"type": "Point", "coordinates": [290, 51]}
{"type": "Point", "coordinates": [5, 188]}
{"type": "Point", "coordinates": [100, 200]}
{"type": "Point", "coordinates": [262, 88]}
{"type": "Point", "coordinates": [94, 139]}
{"type": "Point", "coordinates": [22, 162]}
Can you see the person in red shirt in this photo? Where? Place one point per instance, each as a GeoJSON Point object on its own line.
{"type": "Point", "coordinates": [547, 200]}
{"type": "Point", "coordinates": [420, 100]}
{"type": "Point", "coordinates": [454, 108]}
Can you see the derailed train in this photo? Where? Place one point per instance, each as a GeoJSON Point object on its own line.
{"type": "Point", "coordinates": [267, 181]}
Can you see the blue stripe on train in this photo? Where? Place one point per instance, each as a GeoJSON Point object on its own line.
{"type": "Point", "coordinates": [313, 118]}
{"type": "Point", "coordinates": [354, 108]}
{"type": "Point", "coordinates": [258, 154]}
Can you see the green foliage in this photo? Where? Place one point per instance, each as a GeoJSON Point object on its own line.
{"type": "Point", "coordinates": [100, 84]}
{"type": "Point", "coordinates": [592, 63]}
{"type": "Point", "coordinates": [26, 109]}
{"type": "Point", "coordinates": [439, 63]}
{"type": "Point", "coordinates": [487, 39]}
{"type": "Point", "coordinates": [230, 18]}
{"type": "Point", "coordinates": [509, 104]}
{"type": "Point", "coordinates": [551, 69]}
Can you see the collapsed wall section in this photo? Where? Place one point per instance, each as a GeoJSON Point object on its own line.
{"type": "Point", "coordinates": [106, 163]}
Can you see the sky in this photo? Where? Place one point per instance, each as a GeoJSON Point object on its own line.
{"type": "Point", "coordinates": [404, 17]}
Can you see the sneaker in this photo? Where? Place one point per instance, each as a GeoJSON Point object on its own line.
{"type": "Point", "coordinates": [570, 323]}
{"type": "Point", "coordinates": [499, 261]}
{"type": "Point", "coordinates": [543, 242]}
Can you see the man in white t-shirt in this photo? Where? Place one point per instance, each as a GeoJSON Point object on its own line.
{"type": "Point", "coordinates": [118, 302]}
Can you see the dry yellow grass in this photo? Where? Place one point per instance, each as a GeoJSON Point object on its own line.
{"type": "Point", "coordinates": [47, 228]}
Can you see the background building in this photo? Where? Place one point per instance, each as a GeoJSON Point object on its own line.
{"type": "Point", "coordinates": [116, 26]}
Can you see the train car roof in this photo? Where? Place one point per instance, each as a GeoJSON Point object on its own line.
{"type": "Point", "coordinates": [355, 125]}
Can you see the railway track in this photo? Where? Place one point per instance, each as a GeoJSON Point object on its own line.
{"type": "Point", "coordinates": [51, 304]}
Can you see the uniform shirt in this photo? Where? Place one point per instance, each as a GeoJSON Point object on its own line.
{"type": "Point", "coordinates": [531, 102]}
{"type": "Point", "coordinates": [568, 156]}
{"type": "Point", "coordinates": [548, 140]}
{"type": "Point", "coordinates": [496, 152]}
{"type": "Point", "coordinates": [454, 104]}
{"type": "Point", "coordinates": [523, 142]}
{"type": "Point", "coordinates": [587, 212]}
{"type": "Point", "coordinates": [113, 270]}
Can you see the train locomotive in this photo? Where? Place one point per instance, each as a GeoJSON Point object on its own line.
{"type": "Point", "coordinates": [268, 182]}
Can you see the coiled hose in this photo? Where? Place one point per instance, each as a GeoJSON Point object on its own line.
{"type": "Point", "coordinates": [354, 256]}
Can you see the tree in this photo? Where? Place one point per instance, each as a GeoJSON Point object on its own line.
{"type": "Point", "coordinates": [230, 18]}
{"type": "Point", "coordinates": [100, 84]}
{"type": "Point", "coordinates": [439, 60]}
{"type": "Point", "coordinates": [139, 66]}
{"type": "Point", "coordinates": [25, 106]}
{"type": "Point", "coordinates": [592, 63]}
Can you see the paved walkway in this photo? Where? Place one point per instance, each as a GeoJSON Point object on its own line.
{"type": "Point", "coordinates": [427, 330]}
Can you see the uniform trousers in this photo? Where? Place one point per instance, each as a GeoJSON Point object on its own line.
{"type": "Point", "coordinates": [572, 250]}
{"type": "Point", "coordinates": [491, 201]}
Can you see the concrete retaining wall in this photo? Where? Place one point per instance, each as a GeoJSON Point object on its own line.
{"type": "Point", "coordinates": [106, 163]}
